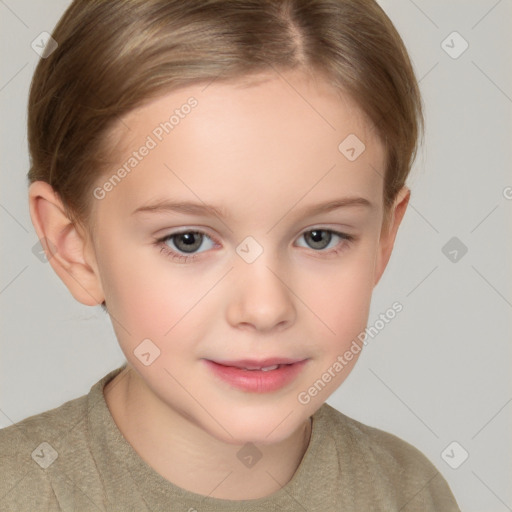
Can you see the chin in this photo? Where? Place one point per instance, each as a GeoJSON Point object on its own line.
{"type": "Point", "coordinates": [246, 429]}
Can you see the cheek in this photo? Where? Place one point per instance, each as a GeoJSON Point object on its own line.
{"type": "Point", "coordinates": [342, 297]}
{"type": "Point", "coordinates": [142, 291]}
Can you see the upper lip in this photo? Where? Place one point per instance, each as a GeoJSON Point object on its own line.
{"type": "Point", "coordinates": [258, 363]}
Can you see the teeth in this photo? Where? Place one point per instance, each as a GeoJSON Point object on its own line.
{"type": "Point", "coordinates": [268, 368]}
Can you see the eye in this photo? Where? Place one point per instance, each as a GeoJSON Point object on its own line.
{"type": "Point", "coordinates": [184, 245]}
{"type": "Point", "coordinates": [322, 239]}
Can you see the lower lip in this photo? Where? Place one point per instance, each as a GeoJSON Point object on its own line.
{"type": "Point", "coordinates": [257, 381]}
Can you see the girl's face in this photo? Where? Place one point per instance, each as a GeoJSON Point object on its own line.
{"type": "Point", "coordinates": [246, 225]}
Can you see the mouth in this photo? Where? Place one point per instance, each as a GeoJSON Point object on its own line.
{"type": "Point", "coordinates": [260, 376]}
{"type": "Point", "coordinates": [262, 365]}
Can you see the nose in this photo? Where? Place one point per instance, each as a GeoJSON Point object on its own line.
{"type": "Point", "coordinates": [261, 298]}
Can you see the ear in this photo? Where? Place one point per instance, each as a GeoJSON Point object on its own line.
{"type": "Point", "coordinates": [64, 245]}
{"type": "Point", "coordinates": [389, 231]}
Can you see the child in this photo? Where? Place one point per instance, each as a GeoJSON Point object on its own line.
{"type": "Point", "coordinates": [226, 178]}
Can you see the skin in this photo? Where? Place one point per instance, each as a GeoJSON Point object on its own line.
{"type": "Point", "coordinates": [264, 154]}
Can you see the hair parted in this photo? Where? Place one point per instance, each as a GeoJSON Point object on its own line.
{"type": "Point", "coordinates": [115, 55]}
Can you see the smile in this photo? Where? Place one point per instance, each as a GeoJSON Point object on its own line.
{"type": "Point", "coordinates": [255, 377]}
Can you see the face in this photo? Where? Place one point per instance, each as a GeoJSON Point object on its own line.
{"type": "Point", "coordinates": [242, 232]}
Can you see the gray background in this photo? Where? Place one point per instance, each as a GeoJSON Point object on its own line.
{"type": "Point", "coordinates": [440, 371]}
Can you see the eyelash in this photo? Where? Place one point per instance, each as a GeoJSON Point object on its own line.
{"type": "Point", "coordinates": [187, 258]}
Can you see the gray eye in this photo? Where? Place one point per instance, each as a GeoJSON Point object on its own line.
{"type": "Point", "coordinates": [318, 238]}
{"type": "Point", "coordinates": [189, 241]}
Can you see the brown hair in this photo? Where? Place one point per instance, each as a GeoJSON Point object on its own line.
{"type": "Point", "coordinates": [115, 55]}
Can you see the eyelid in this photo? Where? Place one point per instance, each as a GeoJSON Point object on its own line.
{"type": "Point", "coordinates": [184, 229]}
{"type": "Point", "coordinates": [205, 231]}
{"type": "Point", "coordinates": [346, 240]}
{"type": "Point", "coordinates": [160, 242]}
{"type": "Point", "coordinates": [180, 231]}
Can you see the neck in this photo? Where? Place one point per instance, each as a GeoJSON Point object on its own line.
{"type": "Point", "coordinates": [190, 457]}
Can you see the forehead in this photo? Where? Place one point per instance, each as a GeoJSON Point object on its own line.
{"type": "Point", "coordinates": [274, 140]}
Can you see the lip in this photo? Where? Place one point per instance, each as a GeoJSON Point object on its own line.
{"type": "Point", "coordinates": [258, 363]}
{"type": "Point", "coordinates": [257, 381]}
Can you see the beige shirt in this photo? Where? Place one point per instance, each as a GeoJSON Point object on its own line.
{"type": "Point", "coordinates": [74, 458]}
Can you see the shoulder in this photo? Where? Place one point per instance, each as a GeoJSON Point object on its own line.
{"type": "Point", "coordinates": [29, 449]}
{"type": "Point", "coordinates": [391, 465]}
{"type": "Point", "coordinates": [382, 447]}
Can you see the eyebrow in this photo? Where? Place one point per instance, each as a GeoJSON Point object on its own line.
{"type": "Point", "coordinates": [163, 206]}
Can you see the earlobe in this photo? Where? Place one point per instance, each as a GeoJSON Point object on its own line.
{"type": "Point", "coordinates": [64, 246]}
{"type": "Point", "coordinates": [389, 231]}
